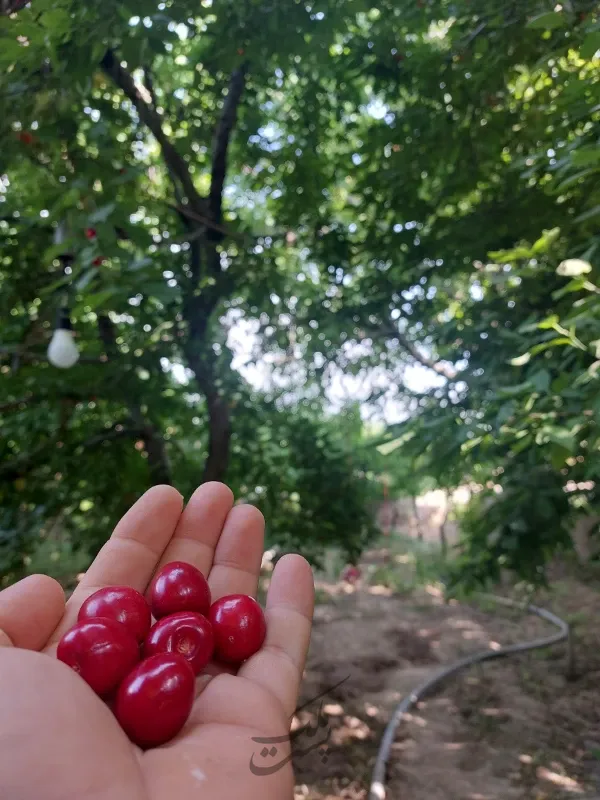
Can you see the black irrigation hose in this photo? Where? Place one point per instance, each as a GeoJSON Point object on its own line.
{"type": "Point", "coordinates": [378, 780]}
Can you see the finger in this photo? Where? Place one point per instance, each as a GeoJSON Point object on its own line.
{"type": "Point", "coordinates": [200, 526]}
{"type": "Point", "coordinates": [279, 664]}
{"type": "Point", "coordinates": [29, 611]}
{"type": "Point", "coordinates": [238, 554]}
{"type": "Point", "coordinates": [130, 556]}
{"type": "Point", "coordinates": [226, 700]}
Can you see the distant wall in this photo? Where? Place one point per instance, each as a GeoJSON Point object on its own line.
{"type": "Point", "coordinates": [424, 516]}
{"type": "Point", "coordinates": [399, 516]}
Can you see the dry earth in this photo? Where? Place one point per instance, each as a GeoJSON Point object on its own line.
{"type": "Point", "coordinates": [517, 729]}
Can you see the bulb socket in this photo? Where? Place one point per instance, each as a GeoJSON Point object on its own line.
{"type": "Point", "coordinates": [63, 320]}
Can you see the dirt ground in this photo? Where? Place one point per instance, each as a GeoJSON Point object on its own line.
{"type": "Point", "coordinates": [525, 728]}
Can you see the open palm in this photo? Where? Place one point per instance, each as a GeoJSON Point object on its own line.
{"type": "Point", "coordinates": [58, 740]}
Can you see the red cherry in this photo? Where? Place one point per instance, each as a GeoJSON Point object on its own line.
{"type": "Point", "coordinates": [351, 574]}
{"type": "Point", "coordinates": [102, 651]}
{"type": "Point", "coordinates": [155, 699]}
{"type": "Point", "coordinates": [90, 233]}
{"type": "Point", "coordinates": [26, 137]}
{"type": "Point", "coordinates": [187, 633]}
{"type": "Point", "coordinates": [98, 261]}
{"type": "Point", "coordinates": [239, 627]}
{"type": "Point", "coordinates": [179, 586]}
{"type": "Point", "coordinates": [121, 603]}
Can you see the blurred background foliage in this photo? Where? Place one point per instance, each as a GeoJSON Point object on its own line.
{"type": "Point", "coordinates": [331, 253]}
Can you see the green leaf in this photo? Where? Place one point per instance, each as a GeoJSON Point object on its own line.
{"type": "Point", "coordinates": [517, 389]}
{"type": "Point", "coordinates": [545, 241]}
{"type": "Point", "coordinates": [515, 254]}
{"type": "Point", "coordinates": [558, 456]}
{"type": "Point", "coordinates": [389, 447]}
{"type": "Point", "coordinates": [548, 21]}
{"type": "Point", "coordinates": [559, 436]}
{"type": "Point", "coordinates": [560, 340]}
{"type": "Point", "coordinates": [583, 157]}
{"type": "Point", "coordinates": [523, 443]}
{"type": "Point", "coordinates": [561, 383]}
{"type": "Point", "coordinates": [100, 298]}
{"type": "Point", "coordinates": [161, 291]}
{"type": "Point", "coordinates": [87, 277]}
{"type": "Point", "coordinates": [51, 287]}
{"type": "Point", "coordinates": [548, 323]}
{"type": "Point", "coordinates": [593, 369]}
{"type": "Point", "coordinates": [572, 180]}
{"type": "Point", "coordinates": [139, 263]}
{"type": "Point", "coordinates": [102, 214]}
{"type": "Point", "coordinates": [589, 214]}
{"type": "Point", "coordinates": [506, 411]}
{"type": "Point", "coordinates": [53, 252]}
{"type": "Point", "coordinates": [56, 19]}
{"type": "Point", "coordinates": [576, 285]}
{"type": "Point", "coordinates": [541, 380]}
{"type": "Point", "coordinates": [471, 444]}
{"type": "Point", "coordinates": [10, 51]}
{"type": "Point", "coordinates": [590, 45]}
{"type": "Point", "coordinates": [573, 267]}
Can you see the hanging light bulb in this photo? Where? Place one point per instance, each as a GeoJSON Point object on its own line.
{"type": "Point", "coordinates": [61, 233]}
{"type": "Point", "coordinates": [62, 350]}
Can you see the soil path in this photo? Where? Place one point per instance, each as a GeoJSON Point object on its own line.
{"type": "Point", "coordinates": [513, 729]}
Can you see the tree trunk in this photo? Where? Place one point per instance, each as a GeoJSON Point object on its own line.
{"type": "Point", "coordinates": [158, 461]}
{"type": "Point", "coordinates": [581, 537]}
{"type": "Point", "coordinates": [219, 420]}
{"type": "Point", "coordinates": [443, 537]}
{"type": "Point", "coordinates": [200, 300]}
{"type": "Point", "coordinates": [415, 510]}
{"type": "Point", "coordinates": [219, 437]}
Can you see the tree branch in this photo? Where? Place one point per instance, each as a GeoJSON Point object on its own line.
{"type": "Point", "coordinates": [474, 34]}
{"type": "Point", "coordinates": [183, 211]}
{"type": "Point", "coordinates": [20, 401]}
{"type": "Point", "coordinates": [30, 399]}
{"type": "Point", "coordinates": [221, 141]}
{"type": "Point", "coordinates": [149, 117]}
{"type": "Point", "coordinates": [13, 469]}
{"type": "Point", "coordinates": [150, 86]}
{"type": "Point", "coordinates": [26, 462]}
{"type": "Point", "coordinates": [20, 465]}
{"type": "Point", "coordinates": [411, 348]}
{"type": "Point", "coordinates": [30, 355]}
{"type": "Point", "coordinates": [116, 431]}
{"type": "Point", "coordinates": [437, 366]}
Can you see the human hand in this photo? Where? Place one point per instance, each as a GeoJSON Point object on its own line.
{"type": "Point", "coordinates": [59, 741]}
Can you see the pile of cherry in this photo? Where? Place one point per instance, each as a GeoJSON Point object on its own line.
{"type": "Point", "coordinates": [145, 672]}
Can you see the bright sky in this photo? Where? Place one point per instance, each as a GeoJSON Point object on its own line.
{"type": "Point", "coordinates": [261, 375]}
{"type": "Point", "coordinates": [343, 387]}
